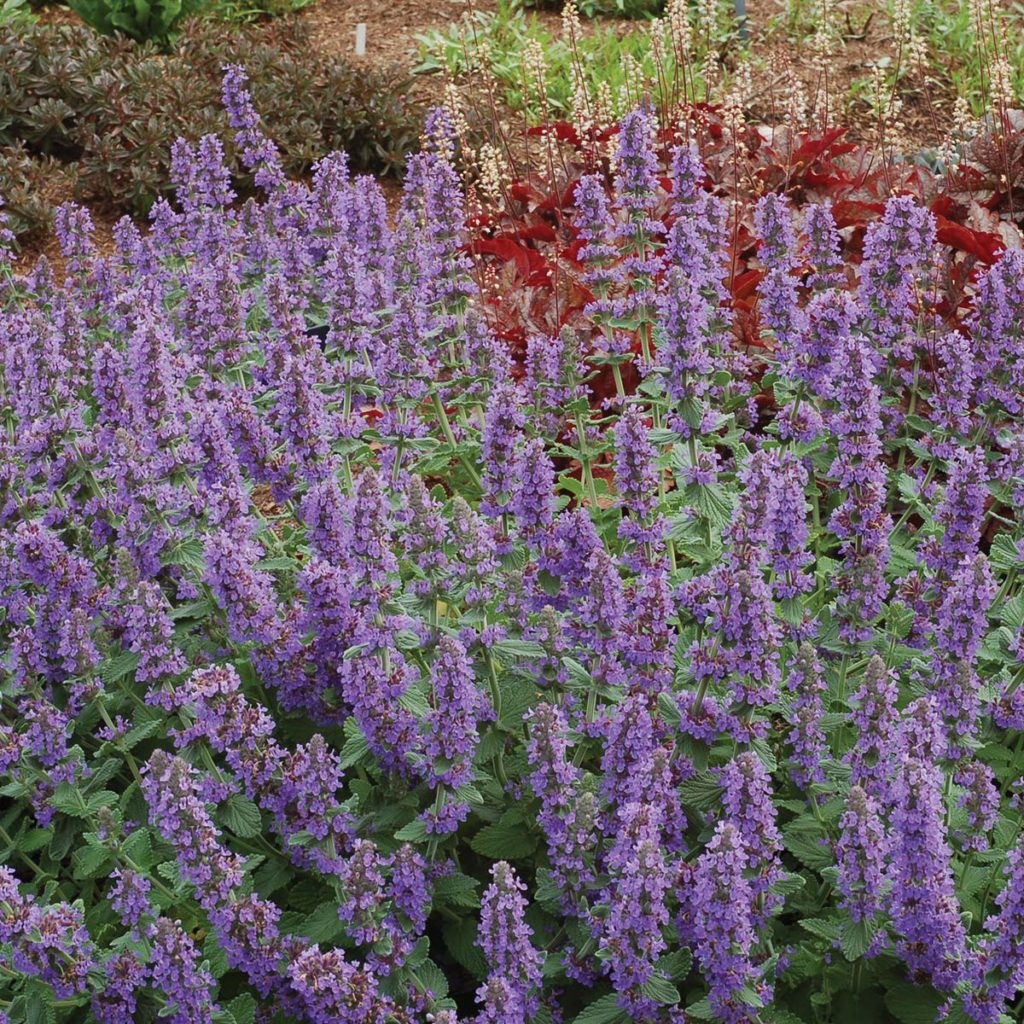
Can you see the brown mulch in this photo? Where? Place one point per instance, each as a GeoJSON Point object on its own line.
{"type": "Point", "coordinates": [391, 30]}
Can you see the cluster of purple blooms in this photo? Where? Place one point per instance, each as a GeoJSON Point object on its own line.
{"type": "Point", "coordinates": [375, 678]}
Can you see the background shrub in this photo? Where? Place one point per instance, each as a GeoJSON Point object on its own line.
{"type": "Point", "coordinates": [109, 108]}
{"type": "Point", "coordinates": [140, 19]}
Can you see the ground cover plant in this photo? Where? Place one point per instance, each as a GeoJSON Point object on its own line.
{"type": "Point", "coordinates": [358, 668]}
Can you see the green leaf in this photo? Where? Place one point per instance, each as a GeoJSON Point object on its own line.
{"type": "Point", "coordinates": [807, 847]}
{"type": "Point", "coordinates": [187, 553]}
{"type": "Point", "coordinates": [69, 799]}
{"type": "Point", "coordinates": [34, 839]}
{"type": "Point", "coordinates": [282, 563]}
{"type": "Point", "coordinates": [701, 792]}
{"type": "Point", "coordinates": [504, 842]}
{"type": "Point", "coordinates": [323, 925]}
{"type": "Point", "coordinates": [701, 1010]}
{"type": "Point", "coordinates": [214, 954]}
{"type": "Point", "coordinates": [39, 1004]}
{"type": "Point", "coordinates": [433, 978]}
{"type": "Point", "coordinates": [138, 848]}
{"type": "Point", "coordinates": [457, 890]}
{"type": "Point", "coordinates": [605, 1010]}
{"type": "Point", "coordinates": [856, 938]}
{"type": "Point", "coordinates": [676, 965]}
{"type": "Point", "coordinates": [661, 990]}
{"type": "Point", "coordinates": [91, 861]}
{"type": "Point", "coordinates": [243, 1009]}
{"type": "Point", "coordinates": [414, 832]}
{"type": "Point", "coordinates": [460, 940]}
{"type": "Point", "coordinates": [825, 929]}
{"type": "Point", "coordinates": [241, 816]}
{"type": "Point", "coordinates": [355, 749]}
{"type": "Point", "coordinates": [513, 649]}
{"type": "Point", "coordinates": [779, 1015]}
{"type": "Point", "coordinates": [119, 667]}
{"type": "Point", "coordinates": [910, 1004]}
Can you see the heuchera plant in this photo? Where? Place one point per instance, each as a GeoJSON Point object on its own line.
{"type": "Point", "coordinates": [349, 676]}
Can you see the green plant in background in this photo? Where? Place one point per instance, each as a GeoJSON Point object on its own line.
{"type": "Point", "coordinates": [616, 8]}
{"type": "Point", "coordinates": [15, 12]}
{"type": "Point", "coordinates": [106, 110]}
{"type": "Point", "coordinates": [138, 19]}
{"type": "Point", "coordinates": [540, 73]}
{"type": "Point", "coordinates": [253, 10]}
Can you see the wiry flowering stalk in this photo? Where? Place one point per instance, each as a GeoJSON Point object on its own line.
{"type": "Point", "coordinates": [897, 251]}
{"type": "Point", "coordinates": [631, 936]}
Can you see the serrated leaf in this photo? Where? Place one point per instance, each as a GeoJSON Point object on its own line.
{"type": "Point", "coordinates": [457, 890]}
{"type": "Point", "coordinates": [460, 938]}
{"type": "Point", "coordinates": [911, 1004]}
{"type": "Point", "coordinates": [856, 938]}
{"type": "Point", "coordinates": [702, 791]}
{"type": "Point", "coordinates": [513, 649]}
{"type": "Point", "coordinates": [214, 954]}
{"type": "Point", "coordinates": [119, 667]}
{"type": "Point", "coordinates": [676, 965]}
{"type": "Point", "coordinates": [323, 925]}
{"type": "Point", "coordinates": [433, 978]}
{"type": "Point", "coordinates": [243, 1009]}
{"type": "Point", "coordinates": [605, 1010]}
{"type": "Point", "coordinates": [661, 990]}
{"type": "Point", "coordinates": [780, 1015]}
{"type": "Point", "coordinates": [808, 848]}
{"type": "Point", "coordinates": [503, 842]}
{"type": "Point", "coordinates": [241, 816]}
{"type": "Point", "coordinates": [414, 832]}
{"type": "Point", "coordinates": [700, 1010]}
{"type": "Point", "coordinates": [824, 928]}
{"type": "Point", "coordinates": [356, 748]}
{"type": "Point", "coordinates": [91, 861]}
{"type": "Point", "coordinates": [138, 847]}
{"type": "Point", "coordinates": [188, 553]}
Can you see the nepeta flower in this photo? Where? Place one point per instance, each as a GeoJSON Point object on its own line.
{"type": "Point", "coordinates": [860, 521]}
{"type": "Point", "coordinates": [824, 247]}
{"type": "Point", "coordinates": [875, 717]}
{"type": "Point", "coordinates": [925, 912]}
{"type": "Point", "coordinates": [631, 937]}
{"type": "Point", "coordinates": [861, 854]}
{"type": "Point", "coordinates": [980, 800]}
{"type": "Point", "coordinates": [636, 475]}
{"type": "Point", "coordinates": [960, 628]}
{"type": "Point", "coordinates": [534, 500]}
{"type": "Point", "coordinates": [747, 804]}
{"type": "Point", "coordinates": [498, 444]}
{"type": "Point", "coordinates": [810, 748]}
{"type": "Point", "coordinates": [457, 706]}
{"type": "Point", "coordinates": [510, 994]}
{"type": "Point", "coordinates": [777, 294]}
{"type": "Point", "coordinates": [177, 973]}
{"type": "Point", "coordinates": [717, 918]}
{"type": "Point", "coordinates": [897, 252]}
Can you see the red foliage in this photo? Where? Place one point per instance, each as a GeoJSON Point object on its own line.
{"type": "Point", "coordinates": [528, 252]}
